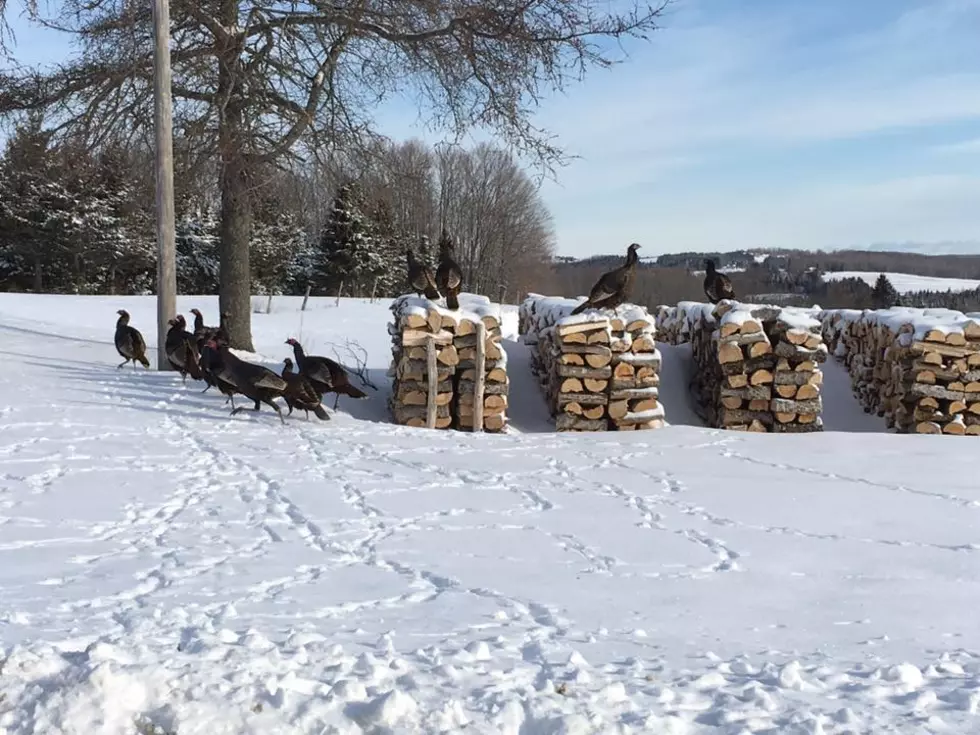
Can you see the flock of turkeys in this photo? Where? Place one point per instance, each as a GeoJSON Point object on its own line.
{"type": "Point", "coordinates": [204, 354]}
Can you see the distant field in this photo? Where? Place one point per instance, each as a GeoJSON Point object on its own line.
{"type": "Point", "coordinates": [907, 282]}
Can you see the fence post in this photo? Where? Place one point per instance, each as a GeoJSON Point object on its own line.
{"type": "Point", "coordinates": [339, 292]}
{"type": "Point", "coordinates": [503, 293]}
{"type": "Point", "coordinates": [433, 376]}
{"type": "Point", "coordinates": [374, 289]}
{"type": "Point", "coordinates": [479, 387]}
{"type": "Point", "coordinates": [268, 305]}
{"type": "Point", "coordinates": [306, 297]}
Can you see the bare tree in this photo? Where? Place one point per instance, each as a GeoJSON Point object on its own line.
{"type": "Point", "coordinates": [256, 81]}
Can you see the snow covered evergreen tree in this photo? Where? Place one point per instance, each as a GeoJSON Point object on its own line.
{"type": "Point", "coordinates": [390, 252]}
{"type": "Point", "coordinates": [278, 240]}
{"type": "Point", "coordinates": [347, 254]}
{"type": "Point", "coordinates": [884, 295]}
{"type": "Point", "coordinates": [197, 252]}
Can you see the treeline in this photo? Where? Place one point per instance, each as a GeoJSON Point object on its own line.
{"type": "Point", "coordinates": [779, 279]}
{"type": "Point", "coordinates": [77, 220]}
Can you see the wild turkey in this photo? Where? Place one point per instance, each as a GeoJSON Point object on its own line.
{"type": "Point", "coordinates": [614, 287]}
{"type": "Point", "coordinates": [255, 382]}
{"type": "Point", "coordinates": [449, 277]}
{"type": "Point", "coordinates": [420, 277]}
{"type": "Point", "coordinates": [300, 393]}
{"type": "Point", "coordinates": [202, 332]}
{"type": "Point", "coordinates": [717, 286]}
{"type": "Point", "coordinates": [326, 375]}
{"type": "Point", "coordinates": [129, 342]}
{"type": "Point", "coordinates": [210, 359]}
{"type": "Point", "coordinates": [182, 349]}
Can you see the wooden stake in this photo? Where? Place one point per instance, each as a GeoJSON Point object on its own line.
{"type": "Point", "coordinates": [481, 375]}
{"type": "Point", "coordinates": [433, 378]}
{"type": "Point", "coordinates": [306, 297]}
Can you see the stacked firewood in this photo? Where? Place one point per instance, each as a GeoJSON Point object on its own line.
{"type": "Point", "coordinates": [668, 324]}
{"type": "Point", "coordinates": [599, 370]}
{"type": "Point", "coordinates": [634, 391]}
{"type": "Point", "coordinates": [481, 373]}
{"type": "Point", "coordinates": [429, 341]}
{"type": "Point", "coordinates": [756, 367]}
{"type": "Point", "coordinates": [918, 368]}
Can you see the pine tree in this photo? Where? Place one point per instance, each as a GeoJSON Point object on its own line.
{"type": "Point", "coordinates": [884, 295]}
{"type": "Point", "coordinates": [197, 252]}
{"type": "Point", "coordinates": [278, 240]}
{"type": "Point", "coordinates": [389, 252]}
{"type": "Point", "coordinates": [346, 254]}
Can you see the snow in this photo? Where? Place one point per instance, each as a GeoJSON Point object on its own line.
{"type": "Point", "coordinates": [907, 282]}
{"type": "Point", "coordinates": [472, 307]}
{"type": "Point", "coordinates": [911, 321]}
{"type": "Point", "coordinates": [165, 566]}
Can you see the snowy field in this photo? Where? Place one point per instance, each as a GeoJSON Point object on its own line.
{"type": "Point", "coordinates": [907, 282]}
{"type": "Point", "coordinates": [166, 568]}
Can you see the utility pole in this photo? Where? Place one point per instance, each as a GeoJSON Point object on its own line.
{"type": "Point", "coordinates": [163, 120]}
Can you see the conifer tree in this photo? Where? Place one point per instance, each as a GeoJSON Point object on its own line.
{"type": "Point", "coordinates": [884, 295]}
{"type": "Point", "coordinates": [346, 253]}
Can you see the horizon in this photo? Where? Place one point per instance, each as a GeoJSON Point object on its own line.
{"type": "Point", "coordinates": [762, 127]}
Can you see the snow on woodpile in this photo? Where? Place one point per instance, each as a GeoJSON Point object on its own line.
{"type": "Point", "coordinates": [469, 383]}
{"type": "Point", "coordinates": [668, 324]}
{"type": "Point", "coordinates": [756, 366]}
{"type": "Point", "coordinates": [918, 368]}
{"type": "Point", "coordinates": [600, 370]}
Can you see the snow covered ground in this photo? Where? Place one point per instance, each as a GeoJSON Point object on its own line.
{"type": "Point", "coordinates": [907, 282]}
{"type": "Point", "coordinates": [164, 564]}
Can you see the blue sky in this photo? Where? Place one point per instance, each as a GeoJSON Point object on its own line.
{"type": "Point", "coordinates": [780, 123]}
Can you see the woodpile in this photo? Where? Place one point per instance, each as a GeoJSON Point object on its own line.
{"type": "Point", "coordinates": [917, 368]}
{"type": "Point", "coordinates": [599, 370]}
{"type": "Point", "coordinates": [756, 367]}
{"type": "Point", "coordinates": [448, 368]}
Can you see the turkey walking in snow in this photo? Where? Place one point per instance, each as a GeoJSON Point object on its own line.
{"type": "Point", "coordinates": [182, 349]}
{"type": "Point", "coordinates": [614, 287]}
{"type": "Point", "coordinates": [301, 394]}
{"type": "Point", "coordinates": [717, 286]}
{"type": "Point", "coordinates": [326, 375]}
{"type": "Point", "coordinates": [129, 342]}
{"type": "Point", "coordinates": [255, 382]}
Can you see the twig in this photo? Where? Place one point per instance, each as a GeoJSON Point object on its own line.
{"type": "Point", "coordinates": [358, 356]}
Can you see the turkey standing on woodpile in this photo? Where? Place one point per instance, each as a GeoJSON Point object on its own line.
{"type": "Point", "coordinates": [182, 349]}
{"type": "Point", "coordinates": [420, 277]}
{"type": "Point", "coordinates": [300, 393]}
{"type": "Point", "coordinates": [326, 375]}
{"type": "Point", "coordinates": [255, 382]}
{"type": "Point", "coordinates": [449, 276]}
{"type": "Point", "coordinates": [129, 342]}
{"type": "Point", "coordinates": [717, 286]}
{"type": "Point", "coordinates": [614, 287]}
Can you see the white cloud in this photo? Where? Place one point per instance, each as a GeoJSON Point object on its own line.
{"type": "Point", "coordinates": [970, 146]}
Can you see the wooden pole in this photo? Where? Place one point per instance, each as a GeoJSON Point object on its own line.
{"type": "Point", "coordinates": [432, 370]}
{"type": "Point", "coordinates": [306, 297]}
{"type": "Point", "coordinates": [479, 386]}
{"type": "Point", "coordinates": [163, 123]}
